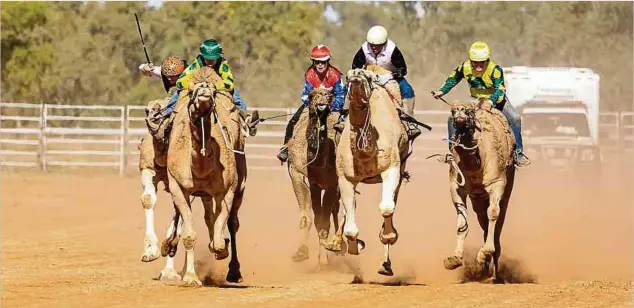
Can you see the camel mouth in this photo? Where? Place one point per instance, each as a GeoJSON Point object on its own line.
{"type": "Point", "coordinates": [460, 122]}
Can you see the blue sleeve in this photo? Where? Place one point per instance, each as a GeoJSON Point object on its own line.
{"type": "Point", "coordinates": [340, 94]}
{"type": "Point", "coordinates": [307, 88]}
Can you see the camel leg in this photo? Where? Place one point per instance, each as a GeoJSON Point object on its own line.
{"type": "Point", "coordinates": [220, 241]}
{"type": "Point", "coordinates": [495, 191]}
{"type": "Point", "coordinates": [148, 200]}
{"type": "Point", "coordinates": [210, 218]}
{"type": "Point", "coordinates": [480, 207]}
{"type": "Point", "coordinates": [336, 244]}
{"type": "Point", "coordinates": [168, 272]}
{"type": "Point", "coordinates": [350, 229]}
{"type": "Point", "coordinates": [172, 237]}
{"type": "Point", "coordinates": [498, 248]}
{"type": "Point", "coordinates": [391, 183]}
{"type": "Point", "coordinates": [234, 274]}
{"type": "Point", "coordinates": [319, 211]}
{"type": "Point", "coordinates": [302, 194]}
{"type": "Point", "coordinates": [459, 199]}
{"type": "Point", "coordinates": [331, 198]}
{"type": "Point", "coordinates": [388, 235]}
{"type": "Point", "coordinates": [188, 234]}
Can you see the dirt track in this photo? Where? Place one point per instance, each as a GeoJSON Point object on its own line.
{"type": "Point", "coordinates": [75, 241]}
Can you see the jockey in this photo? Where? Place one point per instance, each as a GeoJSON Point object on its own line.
{"type": "Point", "coordinates": [211, 55]}
{"type": "Point", "coordinates": [169, 71]}
{"type": "Point", "coordinates": [321, 74]}
{"type": "Point", "coordinates": [378, 50]}
{"type": "Point", "coordinates": [486, 80]}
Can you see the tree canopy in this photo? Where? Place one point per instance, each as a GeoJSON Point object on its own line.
{"type": "Point", "coordinates": [89, 52]}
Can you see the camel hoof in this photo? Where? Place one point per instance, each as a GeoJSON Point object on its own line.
{"type": "Point", "coordinates": [334, 247]}
{"type": "Point", "coordinates": [453, 262]}
{"type": "Point", "coordinates": [492, 280]}
{"type": "Point", "coordinates": [355, 246]}
{"type": "Point", "coordinates": [219, 254]}
{"type": "Point", "coordinates": [481, 257]}
{"type": "Point", "coordinates": [301, 254]}
{"type": "Point", "coordinates": [357, 279]}
{"type": "Point", "coordinates": [169, 274]}
{"type": "Point", "coordinates": [234, 276]}
{"type": "Point", "coordinates": [386, 269]}
{"type": "Point", "coordinates": [150, 253]}
{"type": "Point", "coordinates": [190, 279]}
{"type": "Point", "coordinates": [390, 238]}
{"type": "Point", "coordinates": [149, 258]}
{"type": "Point", "coordinates": [168, 248]}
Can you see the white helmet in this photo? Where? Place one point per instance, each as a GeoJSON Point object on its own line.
{"type": "Point", "coordinates": [377, 35]}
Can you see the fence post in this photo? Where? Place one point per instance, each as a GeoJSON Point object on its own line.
{"type": "Point", "coordinates": [43, 139]}
{"type": "Point", "coordinates": [123, 139]}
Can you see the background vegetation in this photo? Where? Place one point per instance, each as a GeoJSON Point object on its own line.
{"type": "Point", "coordinates": [88, 53]}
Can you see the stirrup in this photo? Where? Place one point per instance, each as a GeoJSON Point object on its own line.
{"type": "Point", "coordinates": [413, 131]}
{"type": "Point", "coordinates": [519, 162]}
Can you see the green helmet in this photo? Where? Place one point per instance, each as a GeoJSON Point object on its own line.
{"type": "Point", "coordinates": [211, 50]}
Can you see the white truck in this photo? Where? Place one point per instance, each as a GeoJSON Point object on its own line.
{"type": "Point", "coordinates": [559, 107]}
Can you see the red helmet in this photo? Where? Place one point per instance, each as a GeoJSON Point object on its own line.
{"type": "Point", "coordinates": [320, 53]}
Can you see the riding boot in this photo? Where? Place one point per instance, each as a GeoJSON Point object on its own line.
{"type": "Point", "coordinates": [521, 160]}
{"type": "Point", "coordinates": [254, 119]}
{"type": "Point", "coordinates": [412, 129]}
{"type": "Point", "coordinates": [339, 125]}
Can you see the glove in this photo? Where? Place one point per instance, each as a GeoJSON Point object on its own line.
{"type": "Point", "coordinates": [146, 69]}
{"type": "Point", "coordinates": [437, 94]}
{"type": "Point", "coordinates": [383, 79]}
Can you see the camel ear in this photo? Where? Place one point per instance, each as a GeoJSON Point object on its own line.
{"type": "Point", "coordinates": [370, 75]}
{"type": "Point", "coordinates": [349, 74]}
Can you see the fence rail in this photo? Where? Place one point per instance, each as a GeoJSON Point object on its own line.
{"type": "Point", "coordinates": [45, 135]}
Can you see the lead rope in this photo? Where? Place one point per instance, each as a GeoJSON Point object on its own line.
{"type": "Point", "coordinates": [224, 136]}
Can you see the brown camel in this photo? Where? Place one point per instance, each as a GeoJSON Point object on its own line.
{"type": "Point", "coordinates": [153, 167]}
{"type": "Point", "coordinates": [312, 171]}
{"type": "Point", "coordinates": [205, 158]}
{"type": "Point", "coordinates": [481, 168]}
{"type": "Point", "coordinates": [373, 149]}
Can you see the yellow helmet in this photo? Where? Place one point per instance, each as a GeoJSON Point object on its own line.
{"type": "Point", "coordinates": [479, 51]}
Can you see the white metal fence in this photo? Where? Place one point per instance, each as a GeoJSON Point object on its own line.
{"type": "Point", "coordinates": [48, 136]}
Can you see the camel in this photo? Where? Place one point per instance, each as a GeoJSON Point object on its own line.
{"type": "Point", "coordinates": [205, 158]}
{"type": "Point", "coordinates": [153, 167]}
{"type": "Point", "coordinates": [373, 149]}
{"type": "Point", "coordinates": [482, 168]}
{"type": "Point", "coordinates": [312, 170]}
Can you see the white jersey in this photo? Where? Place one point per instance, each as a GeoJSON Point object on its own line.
{"type": "Point", "coordinates": [383, 59]}
{"type": "Point", "coordinates": [156, 71]}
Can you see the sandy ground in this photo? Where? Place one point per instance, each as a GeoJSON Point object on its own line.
{"type": "Point", "coordinates": [75, 240]}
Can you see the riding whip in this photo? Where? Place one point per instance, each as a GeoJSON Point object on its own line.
{"type": "Point", "coordinates": [138, 26]}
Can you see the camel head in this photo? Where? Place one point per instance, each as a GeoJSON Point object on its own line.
{"type": "Point", "coordinates": [464, 118]}
{"type": "Point", "coordinates": [320, 100]}
{"type": "Point", "coordinates": [360, 85]}
{"type": "Point", "coordinates": [201, 92]}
